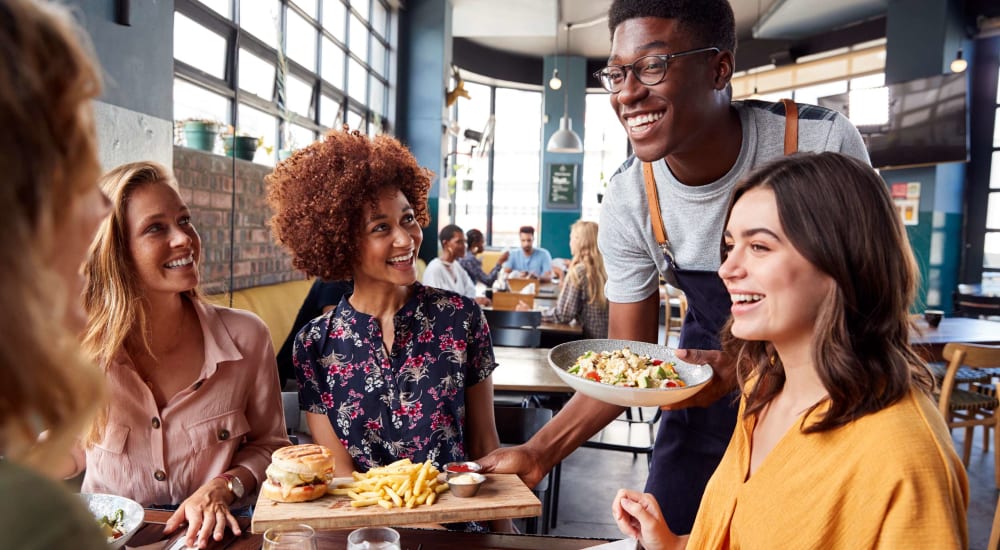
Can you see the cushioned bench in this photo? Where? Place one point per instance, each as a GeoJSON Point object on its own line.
{"type": "Point", "coordinates": [489, 259]}
{"type": "Point", "coordinates": [277, 305]}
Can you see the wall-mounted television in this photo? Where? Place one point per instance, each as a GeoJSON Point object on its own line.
{"type": "Point", "coordinates": [917, 122]}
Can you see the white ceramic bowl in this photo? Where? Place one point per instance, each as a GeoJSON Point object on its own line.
{"type": "Point", "coordinates": [107, 505]}
{"type": "Point", "coordinates": [695, 377]}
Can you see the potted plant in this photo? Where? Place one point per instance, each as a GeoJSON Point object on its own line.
{"type": "Point", "coordinates": [200, 133]}
{"type": "Point", "coordinates": [467, 180]}
{"type": "Point", "coordinates": [241, 145]}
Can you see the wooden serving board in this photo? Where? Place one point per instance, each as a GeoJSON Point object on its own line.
{"type": "Point", "coordinates": [502, 496]}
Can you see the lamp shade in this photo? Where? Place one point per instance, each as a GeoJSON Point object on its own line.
{"type": "Point", "coordinates": [565, 139]}
{"type": "Point", "coordinates": [958, 64]}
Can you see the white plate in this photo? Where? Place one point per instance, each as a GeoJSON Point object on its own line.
{"type": "Point", "coordinates": [107, 505]}
{"type": "Point", "coordinates": [695, 377]}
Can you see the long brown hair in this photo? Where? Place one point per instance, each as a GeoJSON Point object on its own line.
{"type": "Point", "coordinates": [861, 347]}
{"type": "Point", "coordinates": [48, 151]}
{"type": "Point", "coordinates": [588, 263]}
{"type": "Point", "coordinates": [113, 298]}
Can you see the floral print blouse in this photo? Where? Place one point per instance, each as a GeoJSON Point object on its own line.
{"type": "Point", "coordinates": [409, 403]}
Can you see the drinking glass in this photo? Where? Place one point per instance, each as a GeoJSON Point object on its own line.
{"type": "Point", "coordinates": [373, 538]}
{"type": "Point", "coordinates": [290, 537]}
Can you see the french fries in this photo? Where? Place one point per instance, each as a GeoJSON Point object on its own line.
{"type": "Point", "coordinates": [398, 485]}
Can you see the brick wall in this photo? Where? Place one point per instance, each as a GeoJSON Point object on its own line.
{"type": "Point", "coordinates": [206, 185]}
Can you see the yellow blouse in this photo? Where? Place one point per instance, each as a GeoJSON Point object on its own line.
{"type": "Point", "coordinates": [889, 480]}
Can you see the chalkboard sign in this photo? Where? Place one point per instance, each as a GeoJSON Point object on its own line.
{"type": "Point", "coordinates": [562, 186]}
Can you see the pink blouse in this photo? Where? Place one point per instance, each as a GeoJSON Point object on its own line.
{"type": "Point", "coordinates": [231, 416]}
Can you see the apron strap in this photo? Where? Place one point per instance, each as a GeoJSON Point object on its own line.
{"type": "Point", "coordinates": [791, 126]}
{"type": "Point", "coordinates": [653, 198]}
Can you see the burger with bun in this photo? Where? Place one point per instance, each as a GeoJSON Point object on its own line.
{"type": "Point", "coordinates": [298, 473]}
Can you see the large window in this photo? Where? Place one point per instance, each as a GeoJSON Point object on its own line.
{"type": "Point", "coordinates": [290, 70]}
{"type": "Point", "coordinates": [605, 148]}
{"type": "Point", "coordinates": [515, 117]}
{"type": "Point", "coordinates": [991, 246]}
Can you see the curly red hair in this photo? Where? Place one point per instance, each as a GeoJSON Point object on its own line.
{"type": "Point", "coordinates": [320, 193]}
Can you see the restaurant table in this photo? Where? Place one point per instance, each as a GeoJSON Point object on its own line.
{"type": "Point", "coordinates": [526, 370]}
{"type": "Point", "coordinates": [410, 539]}
{"type": "Point", "coordinates": [930, 341]}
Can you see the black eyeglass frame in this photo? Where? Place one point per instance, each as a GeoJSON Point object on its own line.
{"type": "Point", "coordinates": [664, 57]}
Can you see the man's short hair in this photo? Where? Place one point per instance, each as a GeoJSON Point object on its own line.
{"type": "Point", "coordinates": [448, 232]}
{"type": "Point", "coordinates": [527, 229]}
{"type": "Point", "coordinates": [710, 22]}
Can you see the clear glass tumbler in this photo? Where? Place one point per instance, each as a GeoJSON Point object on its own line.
{"type": "Point", "coordinates": [373, 538]}
{"type": "Point", "coordinates": [291, 537]}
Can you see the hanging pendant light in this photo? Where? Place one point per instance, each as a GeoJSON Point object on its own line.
{"type": "Point", "coordinates": [555, 82]}
{"type": "Point", "coordinates": [565, 140]}
{"type": "Point", "coordinates": [958, 64]}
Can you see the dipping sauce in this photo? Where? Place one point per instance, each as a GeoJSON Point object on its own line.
{"type": "Point", "coordinates": [463, 479]}
{"type": "Point", "coordinates": [460, 467]}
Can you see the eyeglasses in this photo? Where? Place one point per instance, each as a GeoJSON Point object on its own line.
{"type": "Point", "coordinates": [650, 70]}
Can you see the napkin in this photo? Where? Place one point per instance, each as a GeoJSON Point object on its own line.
{"type": "Point", "coordinates": [528, 289]}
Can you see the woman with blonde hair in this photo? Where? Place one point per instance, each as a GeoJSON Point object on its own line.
{"type": "Point", "coordinates": [581, 297]}
{"type": "Point", "coordinates": [195, 409]}
{"type": "Point", "coordinates": [52, 207]}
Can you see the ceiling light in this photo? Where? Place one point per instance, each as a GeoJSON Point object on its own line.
{"type": "Point", "coordinates": [554, 82]}
{"type": "Point", "coordinates": [958, 64]}
{"type": "Point", "coordinates": [565, 140]}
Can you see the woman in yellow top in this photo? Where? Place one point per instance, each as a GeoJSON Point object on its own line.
{"type": "Point", "coordinates": [838, 444]}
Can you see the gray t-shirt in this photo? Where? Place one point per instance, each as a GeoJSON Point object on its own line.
{"type": "Point", "coordinates": [693, 215]}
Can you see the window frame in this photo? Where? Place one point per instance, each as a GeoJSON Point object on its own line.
{"type": "Point", "coordinates": [374, 119]}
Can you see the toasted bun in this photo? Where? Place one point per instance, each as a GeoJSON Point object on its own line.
{"type": "Point", "coordinates": [301, 493]}
{"type": "Point", "coordinates": [304, 459]}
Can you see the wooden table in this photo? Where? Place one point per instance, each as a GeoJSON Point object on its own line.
{"type": "Point", "coordinates": [411, 539]}
{"type": "Point", "coordinates": [565, 329]}
{"type": "Point", "coordinates": [526, 370]}
{"type": "Point", "coordinates": [931, 341]}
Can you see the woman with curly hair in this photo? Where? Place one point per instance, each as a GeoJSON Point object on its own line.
{"type": "Point", "coordinates": [195, 409]}
{"type": "Point", "coordinates": [581, 297]}
{"type": "Point", "coordinates": [836, 405]}
{"type": "Point", "coordinates": [398, 369]}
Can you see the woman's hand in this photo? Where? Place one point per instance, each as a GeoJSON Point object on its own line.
{"type": "Point", "coordinates": [207, 514]}
{"type": "Point", "coordinates": [638, 516]}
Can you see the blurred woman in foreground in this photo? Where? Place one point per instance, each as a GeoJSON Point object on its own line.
{"type": "Point", "coordinates": [836, 409]}
{"type": "Point", "coordinates": [52, 207]}
{"type": "Point", "coordinates": [581, 297]}
{"type": "Point", "coordinates": [195, 409]}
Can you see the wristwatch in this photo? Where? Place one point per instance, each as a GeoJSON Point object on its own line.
{"type": "Point", "coordinates": [234, 485]}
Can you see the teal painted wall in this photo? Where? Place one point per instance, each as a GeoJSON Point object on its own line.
{"type": "Point", "coordinates": [426, 51]}
{"type": "Point", "coordinates": [555, 222]}
{"type": "Point", "coordinates": [936, 239]}
{"type": "Point", "coordinates": [556, 230]}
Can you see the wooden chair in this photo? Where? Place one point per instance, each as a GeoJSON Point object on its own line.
{"type": "Point", "coordinates": [516, 425]}
{"type": "Point", "coordinates": [517, 284]}
{"type": "Point", "coordinates": [508, 301]}
{"type": "Point", "coordinates": [967, 408]}
{"type": "Point", "coordinates": [518, 329]}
